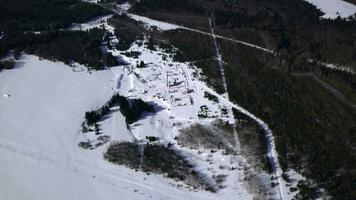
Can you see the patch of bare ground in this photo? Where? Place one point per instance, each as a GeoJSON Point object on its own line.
{"type": "Point", "coordinates": [205, 136]}
{"type": "Point", "coordinates": [224, 128]}
{"type": "Point", "coordinates": [254, 165]}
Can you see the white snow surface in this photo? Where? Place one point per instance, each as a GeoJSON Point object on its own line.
{"type": "Point", "coordinates": [47, 102]}
{"type": "Point", "coordinates": [334, 8]}
{"type": "Point", "coordinates": [339, 67]}
{"type": "Point", "coordinates": [150, 23]}
{"type": "Point", "coordinates": [40, 129]}
{"type": "Point", "coordinates": [91, 1]}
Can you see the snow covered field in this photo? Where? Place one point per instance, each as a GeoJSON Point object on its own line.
{"type": "Point", "coordinates": [40, 129]}
{"type": "Point", "coordinates": [43, 106]}
{"type": "Point", "coordinates": [41, 122]}
{"type": "Point", "coordinates": [334, 8]}
{"type": "Point", "coordinates": [48, 97]}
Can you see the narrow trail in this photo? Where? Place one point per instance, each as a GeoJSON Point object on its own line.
{"type": "Point", "coordinates": [95, 171]}
{"type": "Point", "coordinates": [271, 149]}
{"type": "Point", "coordinates": [141, 150]}
{"type": "Point", "coordinates": [229, 39]}
{"type": "Point", "coordinates": [226, 95]}
{"type": "Point", "coordinates": [219, 58]}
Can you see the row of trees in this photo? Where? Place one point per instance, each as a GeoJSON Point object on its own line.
{"type": "Point", "coordinates": [39, 15]}
{"type": "Point", "coordinates": [7, 64]}
{"type": "Point", "coordinates": [67, 46]}
{"type": "Point", "coordinates": [36, 27]}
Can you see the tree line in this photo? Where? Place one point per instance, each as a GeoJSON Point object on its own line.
{"type": "Point", "coordinates": [36, 27]}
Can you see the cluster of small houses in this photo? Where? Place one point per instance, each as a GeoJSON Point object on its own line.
{"type": "Point", "coordinates": [179, 84]}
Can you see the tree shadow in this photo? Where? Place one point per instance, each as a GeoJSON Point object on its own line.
{"type": "Point", "coordinates": [107, 116]}
{"type": "Point", "coordinates": [145, 114]}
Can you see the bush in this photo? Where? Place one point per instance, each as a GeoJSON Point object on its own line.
{"type": "Point", "coordinates": [110, 60]}
{"type": "Point", "coordinates": [7, 64]}
{"type": "Point", "coordinates": [124, 153]}
{"type": "Point", "coordinates": [141, 65]}
{"type": "Point", "coordinates": [69, 46]}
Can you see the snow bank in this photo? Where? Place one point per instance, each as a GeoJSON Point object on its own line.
{"type": "Point", "coordinates": [334, 8]}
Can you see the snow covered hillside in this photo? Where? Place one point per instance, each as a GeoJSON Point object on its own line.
{"type": "Point", "coordinates": [42, 110]}
{"type": "Point", "coordinates": [40, 125]}
{"type": "Point", "coordinates": [334, 8]}
{"type": "Point", "coordinates": [47, 102]}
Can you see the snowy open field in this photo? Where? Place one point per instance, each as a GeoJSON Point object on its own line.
{"type": "Point", "coordinates": [334, 8]}
{"type": "Point", "coordinates": [40, 129]}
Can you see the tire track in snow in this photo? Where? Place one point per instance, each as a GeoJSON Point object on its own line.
{"type": "Point", "coordinates": [83, 166]}
{"type": "Point", "coordinates": [22, 191]}
{"type": "Point", "coordinates": [219, 58]}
